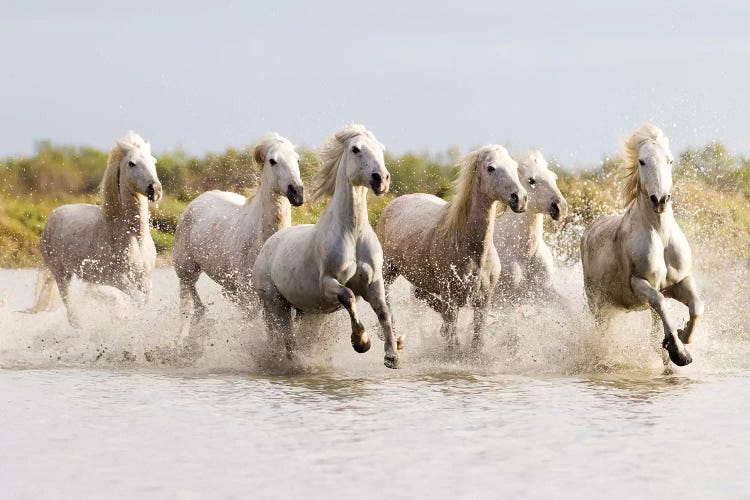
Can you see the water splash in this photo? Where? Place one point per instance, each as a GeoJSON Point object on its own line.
{"type": "Point", "coordinates": [529, 340]}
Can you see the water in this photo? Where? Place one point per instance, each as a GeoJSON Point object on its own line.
{"type": "Point", "coordinates": [123, 408]}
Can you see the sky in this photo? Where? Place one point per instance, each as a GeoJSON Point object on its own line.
{"type": "Point", "coordinates": [572, 78]}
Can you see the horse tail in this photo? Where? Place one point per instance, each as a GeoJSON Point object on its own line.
{"type": "Point", "coordinates": [46, 294]}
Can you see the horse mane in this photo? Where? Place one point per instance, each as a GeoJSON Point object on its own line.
{"type": "Point", "coordinates": [458, 206]}
{"type": "Point", "coordinates": [330, 158]}
{"type": "Point", "coordinates": [534, 157]}
{"type": "Point", "coordinates": [632, 146]}
{"type": "Point", "coordinates": [261, 149]}
{"type": "Point", "coordinates": [259, 157]}
{"type": "Point", "coordinates": [111, 205]}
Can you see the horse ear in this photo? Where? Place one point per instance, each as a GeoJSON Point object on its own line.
{"type": "Point", "coordinates": [259, 155]}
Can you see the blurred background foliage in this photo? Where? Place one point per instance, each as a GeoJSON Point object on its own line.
{"type": "Point", "coordinates": [711, 195]}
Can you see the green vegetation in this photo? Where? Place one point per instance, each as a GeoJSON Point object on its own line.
{"type": "Point", "coordinates": [712, 191]}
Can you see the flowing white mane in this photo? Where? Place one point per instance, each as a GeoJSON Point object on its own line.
{"type": "Point", "coordinates": [458, 207]}
{"type": "Point", "coordinates": [330, 157]}
{"type": "Point", "coordinates": [111, 205]}
{"type": "Point", "coordinates": [644, 134]}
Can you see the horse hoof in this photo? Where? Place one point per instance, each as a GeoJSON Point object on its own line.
{"type": "Point", "coordinates": [400, 343]}
{"type": "Point", "coordinates": [359, 346]}
{"type": "Point", "coordinates": [678, 357]}
{"type": "Point", "coordinates": [392, 362]}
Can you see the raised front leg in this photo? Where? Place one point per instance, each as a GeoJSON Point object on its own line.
{"type": "Point", "coordinates": [685, 292]}
{"type": "Point", "coordinates": [375, 296]}
{"type": "Point", "coordinates": [672, 343]}
{"type": "Point", "coordinates": [333, 290]}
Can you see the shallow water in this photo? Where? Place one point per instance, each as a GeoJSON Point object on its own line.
{"type": "Point", "coordinates": [126, 407]}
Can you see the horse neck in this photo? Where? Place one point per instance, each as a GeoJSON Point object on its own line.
{"type": "Point", "coordinates": [476, 233]}
{"type": "Point", "coordinates": [348, 207]}
{"type": "Point", "coordinates": [134, 214]}
{"type": "Point", "coordinates": [640, 210]}
{"type": "Point", "coordinates": [523, 231]}
{"type": "Point", "coordinates": [267, 211]}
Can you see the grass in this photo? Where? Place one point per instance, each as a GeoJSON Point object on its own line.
{"type": "Point", "coordinates": [716, 221]}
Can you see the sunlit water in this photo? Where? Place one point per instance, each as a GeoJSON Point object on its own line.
{"type": "Point", "coordinates": [127, 407]}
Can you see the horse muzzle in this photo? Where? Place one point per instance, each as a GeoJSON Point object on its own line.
{"type": "Point", "coordinates": [558, 209]}
{"type": "Point", "coordinates": [518, 203]}
{"type": "Point", "coordinates": [380, 184]}
{"type": "Point", "coordinates": [660, 204]}
{"type": "Point", "coordinates": [296, 196]}
{"type": "Point", "coordinates": [153, 191]}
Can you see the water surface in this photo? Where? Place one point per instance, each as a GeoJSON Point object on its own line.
{"type": "Point", "coordinates": [121, 409]}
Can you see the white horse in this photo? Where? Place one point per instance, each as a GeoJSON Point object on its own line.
{"type": "Point", "coordinates": [636, 260]}
{"type": "Point", "coordinates": [445, 249]}
{"type": "Point", "coordinates": [320, 268]}
{"type": "Point", "coordinates": [221, 233]}
{"type": "Point", "coordinates": [108, 244]}
{"type": "Point", "coordinates": [526, 262]}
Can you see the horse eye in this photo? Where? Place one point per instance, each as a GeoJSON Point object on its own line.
{"type": "Point", "coordinates": [643, 163]}
{"type": "Point", "coordinates": [131, 163]}
{"type": "Point", "coordinates": [532, 181]}
{"type": "Point", "coordinates": [272, 161]}
{"type": "Point", "coordinates": [490, 168]}
{"type": "Point", "coordinates": [355, 150]}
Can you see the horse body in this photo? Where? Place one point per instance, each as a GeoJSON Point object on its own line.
{"type": "Point", "coordinates": [636, 260]}
{"type": "Point", "coordinates": [323, 267]}
{"type": "Point", "coordinates": [445, 249]}
{"type": "Point", "coordinates": [527, 266]}
{"type": "Point", "coordinates": [108, 245]}
{"type": "Point", "coordinates": [221, 233]}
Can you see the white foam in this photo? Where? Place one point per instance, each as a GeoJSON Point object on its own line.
{"type": "Point", "coordinates": [116, 334]}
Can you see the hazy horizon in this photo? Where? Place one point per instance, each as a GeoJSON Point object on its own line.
{"type": "Point", "coordinates": [571, 79]}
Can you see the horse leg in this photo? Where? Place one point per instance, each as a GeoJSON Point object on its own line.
{"type": "Point", "coordinates": [448, 312]}
{"type": "Point", "coordinates": [375, 296]}
{"type": "Point", "coordinates": [685, 292]}
{"type": "Point", "coordinates": [449, 327]}
{"type": "Point", "coordinates": [63, 285]}
{"type": "Point", "coordinates": [190, 302]}
{"type": "Point", "coordinates": [672, 343]}
{"type": "Point", "coordinates": [277, 312]}
{"type": "Point", "coordinates": [480, 309]}
{"type": "Point", "coordinates": [655, 334]}
{"type": "Point", "coordinates": [333, 290]}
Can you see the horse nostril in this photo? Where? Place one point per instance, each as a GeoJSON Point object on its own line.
{"type": "Point", "coordinates": [654, 199]}
{"type": "Point", "coordinates": [150, 191]}
{"type": "Point", "coordinates": [376, 179]}
{"type": "Point", "coordinates": [514, 197]}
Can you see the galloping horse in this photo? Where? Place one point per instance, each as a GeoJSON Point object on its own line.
{"type": "Point", "coordinates": [322, 267]}
{"type": "Point", "coordinates": [526, 261]}
{"type": "Point", "coordinates": [221, 233]}
{"type": "Point", "coordinates": [445, 249]}
{"type": "Point", "coordinates": [639, 259]}
{"type": "Point", "coordinates": [108, 244]}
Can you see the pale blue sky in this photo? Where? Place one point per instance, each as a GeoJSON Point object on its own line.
{"type": "Point", "coordinates": [570, 77]}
